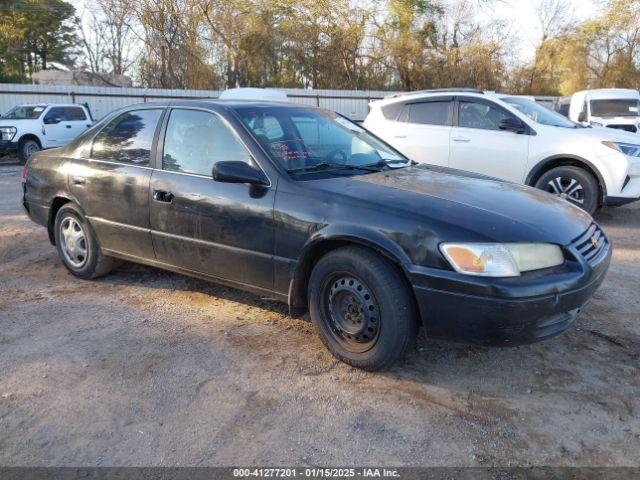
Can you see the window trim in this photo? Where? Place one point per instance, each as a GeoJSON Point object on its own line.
{"type": "Point", "coordinates": [154, 140]}
{"type": "Point", "coordinates": [162, 132]}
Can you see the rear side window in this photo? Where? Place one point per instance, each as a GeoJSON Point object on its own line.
{"type": "Point", "coordinates": [128, 138]}
{"type": "Point", "coordinates": [195, 140]}
{"type": "Point", "coordinates": [430, 113]}
{"type": "Point", "coordinates": [75, 114]}
{"type": "Point", "coordinates": [58, 113]}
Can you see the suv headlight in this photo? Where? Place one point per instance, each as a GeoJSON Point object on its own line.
{"type": "Point", "coordinates": [627, 148]}
{"type": "Point", "coordinates": [501, 259]}
{"type": "Point", "coordinates": [8, 133]}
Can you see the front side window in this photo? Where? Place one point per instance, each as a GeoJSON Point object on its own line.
{"type": "Point", "coordinates": [430, 113]}
{"type": "Point", "coordinates": [480, 115]}
{"type": "Point", "coordinates": [128, 138]}
{"type": "Point", "coordinates": [195, 140]}
{"type": "Point", "coordinates": [299, 138]}
{"type": "Point", "coordinates": [24, 113]}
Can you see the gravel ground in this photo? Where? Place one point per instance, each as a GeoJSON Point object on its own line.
{"type": "Point", "coordinates": [145, 367]}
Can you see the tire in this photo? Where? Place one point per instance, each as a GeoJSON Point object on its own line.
{"type": "Point", "coordinates": [78, 249]}
{"type": "Point", "coordinates": [362, 308]}
{"type": "Point", "coordinates": [574, 184]}
{"type": "Point", "coordinates": [26, 149]}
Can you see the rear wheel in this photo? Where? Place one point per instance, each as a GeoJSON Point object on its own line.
{"type": "Point", "coordinates": [27, 148]}
{"type": "Point", "coordinates": [573, 184]}
{"type": "Point", "coordinates": [362, 308]}
{"type": "Point", "coordinates": [77, 244]}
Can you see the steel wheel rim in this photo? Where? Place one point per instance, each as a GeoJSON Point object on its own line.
{"type": "Point", "coordinates": [352, 312]}
{"type": "Point", "coordinates": [31, 149]}
{"type": "Point", "coordinates": [567, 188]}
{"type": "Point", "coordinates": [73, 242]}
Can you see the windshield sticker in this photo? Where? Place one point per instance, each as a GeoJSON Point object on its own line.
{"type": "Point", "coordinates": [38, 109]}
{"type": "Point", "coordinates": [281, 149]}
{"type": "Point", "coordinates": [633, 109]}
{"type": "Point", "coordinates": [350, 125]}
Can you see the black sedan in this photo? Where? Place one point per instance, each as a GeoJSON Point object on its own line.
{"type": "Point", "coordinates": [305, 206]}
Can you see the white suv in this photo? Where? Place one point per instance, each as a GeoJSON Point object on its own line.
{"type": "Point", "coordinates": [29, 128]}
{"type": "Point", "coordinates": [512, 138]}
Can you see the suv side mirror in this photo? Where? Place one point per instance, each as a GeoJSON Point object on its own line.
{"type": "Point", "coordinates": [52, 120]}
{"type": "Point", "coordinates": [582, 117]}
{"type": "Point", "coordinates": [238, 172]}
{"type": "Point", "coordinates": [512, 124]}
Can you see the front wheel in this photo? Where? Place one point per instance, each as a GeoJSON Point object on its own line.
{"type": "Point", "coordinates": [362, 308]}
{"type": "Point", "coordinates": [77, 244]}
{"type": "Point", "coordinates": [26, 149]}
{"type": "Point", "coordinates": [573, 184]}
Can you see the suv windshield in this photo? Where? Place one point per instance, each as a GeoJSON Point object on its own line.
{"type": "Point", "coordinates": [615, 108]}
{"type": "Point", "coordinates": [306, 140]}
{"type": "Point", "coordinates": [538, 113]}
{"type": "Point", "coordinates": [30, 112]}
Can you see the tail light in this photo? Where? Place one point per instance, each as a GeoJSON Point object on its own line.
{"type": "Point", "coordinates": [24, 172]}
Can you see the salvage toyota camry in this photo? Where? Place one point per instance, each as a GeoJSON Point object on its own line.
{"type": "Point", "coordinates": [302, 205]}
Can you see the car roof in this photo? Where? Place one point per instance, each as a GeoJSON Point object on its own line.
{"type": "Point", "coordinates": [436, 92]}
{"type": "Point", "coordinates": [610, 93]}
{"type": "Point", "coordinates": [217, 103]}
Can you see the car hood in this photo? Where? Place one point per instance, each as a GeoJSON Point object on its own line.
{"type": "Point", "coordinates": [606, 133]}
{"type": "Point", "coordinates": [491, 209]}
{"type": "Point", "coordinates": [17, 121]}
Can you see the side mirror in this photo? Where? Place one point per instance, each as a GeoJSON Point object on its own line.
{"type": "Point", "coordinates": [512, 124]}
{"type": "Point", "coordinates": [582, 117]}
{"type": "Point", "coordinates": [52, 120]}
{"type": "Point", "coordinates": [238, 172]}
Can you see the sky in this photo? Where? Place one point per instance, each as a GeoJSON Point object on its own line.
{"type": "Point", "coordinates": [520, 15]}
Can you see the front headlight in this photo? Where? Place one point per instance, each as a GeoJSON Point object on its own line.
{"type": "Point", "coordinates": [627, 148]}
{"type": "Point", "coordinates": [501, 259]}
{"type": "Point", "coordinates": [8, 133]}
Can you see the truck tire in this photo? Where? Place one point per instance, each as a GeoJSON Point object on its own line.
{"type": "Point", "coordinates": [26, 148]}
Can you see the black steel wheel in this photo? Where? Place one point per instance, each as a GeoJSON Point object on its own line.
{"type": "Point", "coordinates": [362, 307]}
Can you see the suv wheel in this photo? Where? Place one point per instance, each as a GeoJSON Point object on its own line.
{"type": "Point", "coordinates": [573, 184]}
{"type": "Point", "coordinates": [362, 308]}
{"type": "Point", "coordinates": [77, 245]}
{"type": "Point", "coordinates": [27, 148]}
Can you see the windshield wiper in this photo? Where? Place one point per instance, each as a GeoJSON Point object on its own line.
{"type": "Point", "coordinates": [327, 166]}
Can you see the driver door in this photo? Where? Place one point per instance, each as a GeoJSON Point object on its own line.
{"type": "Point", "coordinates": [222, 230]}
{"type": "Point", "coordinates": [478, 145]}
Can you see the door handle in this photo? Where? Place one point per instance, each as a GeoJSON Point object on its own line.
{"type": "Point", "coordinates": [79, 181]}
{"type": "Point", "coordinates": [161, 196]}
{"type": "Point", "coordinates": [461, 139]}
{"type": "Point", "coordinates": [68, 126]}
{"type": "Point", "coordinates": [399, 136]}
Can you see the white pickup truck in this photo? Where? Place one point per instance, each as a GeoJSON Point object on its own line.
{"type": "Point", "coordinates": [29, 128]}
{"type": "Point", "coordinates": [604, 107]}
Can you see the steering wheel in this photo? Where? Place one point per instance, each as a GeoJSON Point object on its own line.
{"type": "Point", "coordinates": [333, 153]}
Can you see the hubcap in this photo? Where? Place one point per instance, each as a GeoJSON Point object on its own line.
{"type": "Point", "coordinates": [31, 149]}
{"type": "Point", "coordinates": [567, 188]}
{"type": "Point", "coordinates": [353, 312]}
{"type": "Point", "coordinates": [73, 242]}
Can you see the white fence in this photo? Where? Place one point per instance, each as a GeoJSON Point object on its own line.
{"type": "Point", "coordinates": [103, 100]}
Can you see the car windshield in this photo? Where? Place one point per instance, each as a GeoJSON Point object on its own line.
{"type": "Point", "coordinates": [305, 140]}
{"type": "Point", "coordinates": [538, 113]}
{"type": "Point", "coordinates": [615, 108]}
{"type": "Point", "coordinates": [24, 112]}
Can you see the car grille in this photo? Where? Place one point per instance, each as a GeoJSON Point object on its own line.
{"type": "Point", "coordinates": [628, 128]}
{"type": "Point", "coordinates": [591, 243]}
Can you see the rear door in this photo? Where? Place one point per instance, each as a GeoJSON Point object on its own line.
{"type": "Point", "coordinates": [422, 130]}
{"type": "Point", "coordinates": [77, 121]}
{"type": "Point", "coordinates": [223, 230]}
{"type": "Point", "coordinates": [113, 185]}
{"type": "Point", "coordinates": [478, 144]}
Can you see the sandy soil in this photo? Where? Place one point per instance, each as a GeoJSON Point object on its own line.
{"type": "Point", "coordinates": [145, 367]}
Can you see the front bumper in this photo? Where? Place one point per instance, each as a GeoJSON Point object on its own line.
{"type": "Point", "coordinates": [7, 146]}
{"type": "Point", "coordinates": [508, 311]}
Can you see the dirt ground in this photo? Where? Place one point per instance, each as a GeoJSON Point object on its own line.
{"type": "Point", "coordinates": [145, 367]}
